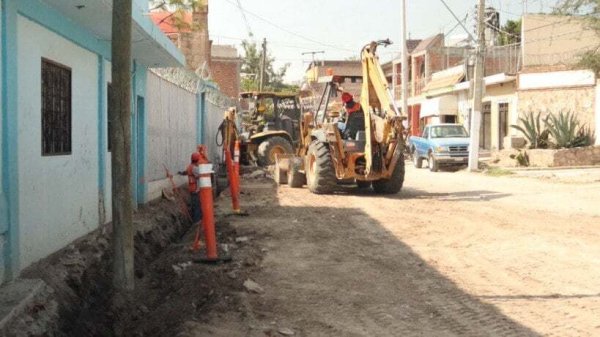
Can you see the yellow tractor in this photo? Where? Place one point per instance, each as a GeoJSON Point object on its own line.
{"type": "Point", "coordinates": [366, 147]}
{"type": "Point", "coordinates": [270, 126]}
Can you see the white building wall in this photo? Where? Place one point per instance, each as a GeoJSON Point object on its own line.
{"type": "Point", "coordinates": [58, 195]}
{"type": "Point", "coordinates": [172, 121]}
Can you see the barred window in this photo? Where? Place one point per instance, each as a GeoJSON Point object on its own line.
{"type": "Point", "coordinates": [56, 109]}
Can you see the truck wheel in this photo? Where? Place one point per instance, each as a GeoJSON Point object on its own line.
{"type": "Point", "coordinates": [417, 161]}
{"type": "Point", "coordinates": [433, 164]}
{"type": "Point", "coordinates": [320, 174]}
{"type": "Point", "coordinates": [295, 178]}
{"type": "Point", "coordinates": [279, 174]}
{"type": "Point", "coordinates": [394, 184]}
{"type": "Point", "coordinates": [269, 147]}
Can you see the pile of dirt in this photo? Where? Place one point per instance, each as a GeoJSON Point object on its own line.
{"type": "Point", "coordinates": [170, 288]}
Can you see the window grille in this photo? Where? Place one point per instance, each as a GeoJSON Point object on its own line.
{"type": "Point", "coordinates": [56, 109]}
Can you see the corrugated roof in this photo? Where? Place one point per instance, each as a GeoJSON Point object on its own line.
{"type": "Point", "coordinates": [445, 79]}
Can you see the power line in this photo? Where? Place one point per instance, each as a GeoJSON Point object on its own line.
{"type": "Point", "coordinates": [458, 20]}
{"type": "Point", "coordinates": [245, 18]}
{"type": "Point", "coordinates": [287, 30]}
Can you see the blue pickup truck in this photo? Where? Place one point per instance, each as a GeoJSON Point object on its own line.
{"type": "Point", "coordinates": [440, 145]}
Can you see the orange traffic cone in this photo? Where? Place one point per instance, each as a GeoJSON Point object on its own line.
{"type": "Point", "coordinates": [208, 216]}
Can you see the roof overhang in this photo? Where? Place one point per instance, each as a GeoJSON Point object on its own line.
{"type": "Point", "coordinates": [438, 106]}
{"type": "Point", "coordinates": [150, 46]}
{"type": "Point", "coordinates": [489, 81]}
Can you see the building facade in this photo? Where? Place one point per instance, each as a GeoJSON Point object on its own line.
{"type": "Point", "coordinates": [55, 154]}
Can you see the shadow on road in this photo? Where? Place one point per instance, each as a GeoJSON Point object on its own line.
{"type": "Point", "coordinates": [413, 193]}
{"type": "Point", "coordinates": [333, 271]}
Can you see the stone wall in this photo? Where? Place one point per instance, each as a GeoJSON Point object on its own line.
{"type": "Point", "coordinates": [578, 100]}
{"type": "Point", "coordinates": [581, 156]}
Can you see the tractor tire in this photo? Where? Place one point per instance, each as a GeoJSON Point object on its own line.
{"type": "Point", "coordinates": [269, 147]}
{"type": "Point", "coordinates": [295, 178]}
{"type": "Point", "coordinates": [279, 174]}
{"type": "Point", "coordinates": [392, 185]}
{"type": "Point", "coordinates": [363, 184]}
{"type": "Point", "coordinates": [417, 161]}
{"type": "Point", "coordinates": [320, 174]}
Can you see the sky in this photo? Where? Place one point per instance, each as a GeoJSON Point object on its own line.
{"type": "Point", "coordinates": [341, 27]}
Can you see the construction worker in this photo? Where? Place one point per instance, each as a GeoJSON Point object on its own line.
{"type": "Point", "coordinates": [355, 120]}
{"type": "Point", "coordinates": [193, 174]}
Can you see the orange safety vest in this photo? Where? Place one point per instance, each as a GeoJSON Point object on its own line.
{"type": "Point", "coordinates": [192, 179]}
{"type": "Point", "coordinates": [354, 108]}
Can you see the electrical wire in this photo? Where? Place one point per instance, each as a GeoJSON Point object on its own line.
{"type": "Point", "coordinates": [287, 30]}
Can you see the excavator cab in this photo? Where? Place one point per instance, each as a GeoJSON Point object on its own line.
{"type": "Point", "coordinates": [270, 126]}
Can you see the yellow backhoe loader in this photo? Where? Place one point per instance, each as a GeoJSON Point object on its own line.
{"type": "Point", "coordinates": [369, 156]}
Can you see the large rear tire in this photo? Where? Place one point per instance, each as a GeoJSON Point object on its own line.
{"type": "Point", "coordinates": [270, 147]}
{"type": "Point", "coordinates": [320, 174]}
{"type": "Point", "coordinates": [394, 184]}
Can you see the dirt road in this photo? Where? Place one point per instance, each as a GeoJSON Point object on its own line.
{"type": "Point", "coordinates": [454, 254]}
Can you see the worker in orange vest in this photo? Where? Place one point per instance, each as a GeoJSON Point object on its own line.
{"type": "Point", "coordinates": [193, 174]}
{"type": "Point", "coordinates": [355, 120]}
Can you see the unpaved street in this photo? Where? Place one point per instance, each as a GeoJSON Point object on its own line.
{"type": "Point", "coordinates": [454, 254]}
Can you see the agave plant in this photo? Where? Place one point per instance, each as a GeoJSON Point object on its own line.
{"type": "Point", "coordinates": [534, 130]}
{"type": "Point", "coordinates": [567, 132]}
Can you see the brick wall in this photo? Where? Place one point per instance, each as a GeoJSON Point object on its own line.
{"type": "Point", "coordinates": [227, 74]}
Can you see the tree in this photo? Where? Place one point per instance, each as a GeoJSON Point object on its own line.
{"type": "Point", "coordinates": [251, 67]}
{"type": "Point", "coordinates": [510, 33]}
{"type": "Point", "coordinates": [589, 10]}
{"type": "Point", "coordinates": [178, 9]}
{"type": "Point", "coordinates": [119, 113]}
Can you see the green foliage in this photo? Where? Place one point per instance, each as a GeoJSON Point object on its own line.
{"type": "Point", "coordinates": [495, 171]}
{"type": "Point", "coordinates": [562, 130]}
{"type": "Point", "coordinates": [534, 130]}
{"type": "Point", "coordinates": [178, 9]}
{"type": "Point", "coordinates": [590, 60]}
{"type": "Point", "coordinates": [521, 157]}
{"type": "Point", "coordinates": [251, 68]}
{"type": "Point", "coordinates": [567, 132]}
{"type": "Point", "coordinates": [510, 33]}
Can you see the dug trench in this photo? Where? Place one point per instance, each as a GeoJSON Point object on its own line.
{"type": "Point", "coordinates": [170, 289]}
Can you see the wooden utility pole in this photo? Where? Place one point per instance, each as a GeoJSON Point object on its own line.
{"type": "Point", "coordinates": [404, 62]}
{"type": "Point", "coordinates": [263, 65]}
{"type": "Point", "coordinates": [119, 113]}
{"type": "Point", "coordinates": [478, 87]}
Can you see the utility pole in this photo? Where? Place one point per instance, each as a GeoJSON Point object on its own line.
{"type": "Point", "coordinates": [119, 113]}
{"type": "Point", "coordinates": [263, 65]}
{"type": "Point", "coordinates": [404, 62]}
{"type": "Point", "coordinates": [478, 87]}
{"type": "Point", "coordinates": [313, 53]}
